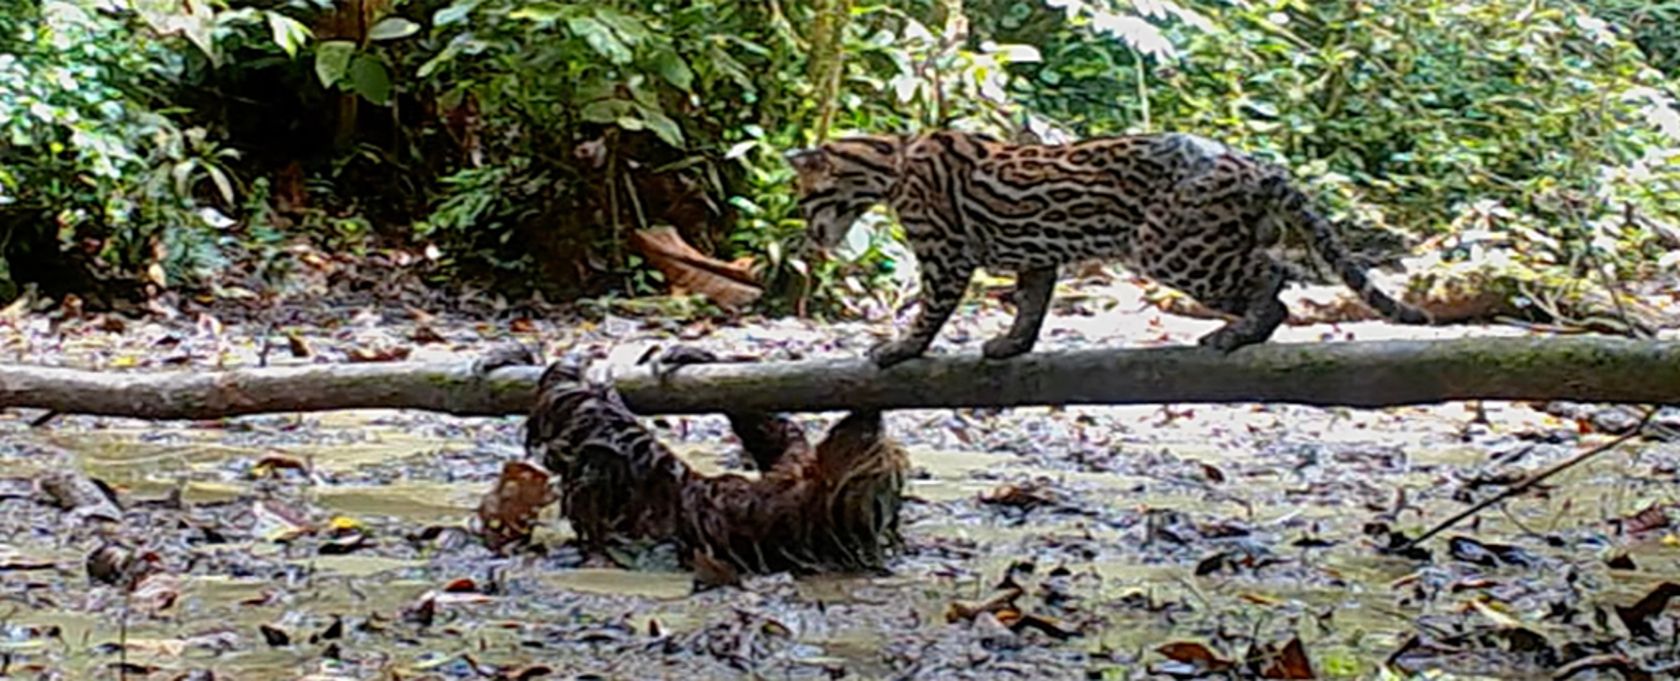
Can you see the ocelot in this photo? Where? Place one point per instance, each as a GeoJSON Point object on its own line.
{"type": "Point", "coordinates": [1186, 211]}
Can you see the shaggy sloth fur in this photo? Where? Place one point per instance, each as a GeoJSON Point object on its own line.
{"type": "Point", "coordinates": [834, 506]}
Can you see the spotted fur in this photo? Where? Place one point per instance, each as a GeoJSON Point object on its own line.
{"type": "Point", "coordinates": [1188, 212]}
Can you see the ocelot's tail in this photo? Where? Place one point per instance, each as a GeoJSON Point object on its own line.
{"type": "Point", "coordinates": [1290, 202]}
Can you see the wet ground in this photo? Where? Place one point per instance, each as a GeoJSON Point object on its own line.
{"type": "Point", "coordinates": [339, 545]}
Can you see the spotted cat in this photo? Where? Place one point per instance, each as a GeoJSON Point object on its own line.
{"type": "Point", "coordinates": [1188, 212]}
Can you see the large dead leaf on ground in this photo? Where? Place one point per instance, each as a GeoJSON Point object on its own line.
{"type": "Point", "coordinates": [730, 284]}
{"type": "Point", "coordinates": [508, 511]}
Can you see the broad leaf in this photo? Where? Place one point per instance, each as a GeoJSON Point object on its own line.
{"type": "Point", "coordinates": [455, 12]}
{"type": "Point", "coordinates": [540, 12]}
{"type": "Point", "coordinates": [332, 60]}
{"type": "Point", "coordinates": [630, 29]}
{"type": "Point", "coordinates": [369, 78]}
{"type": "Point", "coordinates": [289, 34]}
{"type": "Point", "coordinates": [392, 28]}
{"type": "Point", "coordinates": [739, 149]}
{"type": "Point", "coordinates": [661, 125]}
{"type": "Point", "coordinates": [605, 111]}
{"type": "Point", "coordinates": [600, 38]}
{"type": "Point", "coordinates": [673, 69]}
{"type": "Point", "coordinates": [194, 19]}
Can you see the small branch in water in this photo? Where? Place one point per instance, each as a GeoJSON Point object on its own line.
{"type": "Point", "coordinates": [1533, 480]}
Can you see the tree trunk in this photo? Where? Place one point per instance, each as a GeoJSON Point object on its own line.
{"type": "Point", "coordinates": [1357, 374]}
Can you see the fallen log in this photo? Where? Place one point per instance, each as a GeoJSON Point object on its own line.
{"type": "Point", "coordinates": [1356, 374]}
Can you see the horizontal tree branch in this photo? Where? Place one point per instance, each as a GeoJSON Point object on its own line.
{"type": "Point", "coordinates": [1357, 374]}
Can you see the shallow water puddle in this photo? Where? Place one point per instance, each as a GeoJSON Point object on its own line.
{"type": "Point", "coordinates": [402, 480]}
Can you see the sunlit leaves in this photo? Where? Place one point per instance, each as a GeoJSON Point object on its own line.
{"type": "Point", "coordinates": [541, 12]}
{"type": "Point", "coordinates": [288, 34]}
{"type": "Point", "coordinates": [392, 28]}
{"type": "Point", "coordinates": [456, 12]}
{"type": "Point", "coordinates": [194, 19]}
{"type": "Point", "coordinates": [601, 38]}
{"type": "Point", "coordinates": [332, 60]}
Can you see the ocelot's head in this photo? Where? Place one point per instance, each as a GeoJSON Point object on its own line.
{"type": "Point", "coordinates": [841, 180]}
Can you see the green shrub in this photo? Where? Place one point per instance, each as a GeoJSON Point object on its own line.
{"type": "Point", "coordinates": [96, 180]}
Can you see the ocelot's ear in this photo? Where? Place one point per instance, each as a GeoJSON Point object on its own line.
{"type": "Point", "coordinates": [807, 160]}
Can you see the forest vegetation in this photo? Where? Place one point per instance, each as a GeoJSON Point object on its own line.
{"type": "Point", "coordinates": [1522, 149]}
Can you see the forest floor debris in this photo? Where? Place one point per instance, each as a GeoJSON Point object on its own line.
{"type": "Point", "coordinates": [1172, 541]}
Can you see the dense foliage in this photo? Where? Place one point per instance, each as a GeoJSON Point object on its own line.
{"type": "Point", "coordinates": [526, 139]}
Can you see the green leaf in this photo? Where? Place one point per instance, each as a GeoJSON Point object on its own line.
{"type": "Point", "coordinates": [194, 19]}
{"type": "Point", "coordinates": [392, 28]}
{"type": "Point", "coordinates": [289, 34]}
{"type": "Point", "coordinates": [605, 111]}
{"type": "Point", "coordinates": [182, 174]}
{"type": "Point", "coordinates": [600, 39]}
{"type": "Point", "coordinates": [629, 28]}
{"type": "Point", "coordinates": [642, 93]}
{"type": "Point", "coordinates": [540, 12]}
{"type": "Point", "coordinates": [661, 125]}
{"type": "Point", "coordinates": [332, 60]}
{"type": "Point", "coordinates": [369, 78]}
{"type": "Point", "coordinates": [445, 56]}
{"type": "Point", "coordinates": [223, 185]}
{"type": "Point", "coordinates": [673, 69]}
{"type": "Point", "coordinates": [455, 12]}
{"type": "Point", "coordinates": [739, 150]}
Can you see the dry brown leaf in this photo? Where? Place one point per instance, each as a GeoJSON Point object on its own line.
{"type": "Point", "coordinates": [1003, 600]}
{"type": "Point", "coordinates": [711, 572]}
{"type": "Point", "coordinates": [156, 592]}
{"type": "Point", "coordinates": [270, 463]}
{"type": "Point", "coordinates": [1045, 625]}
{"type": "Point", "coordinates": [277, 522]}
{"type": "Point", "coordinates": [425, 335]}
{"type": "Point", "coordinates": [1212, 473]}
{"type": "Point", "coordinates": [82, 496]}
{"type": "Point", "coordinates": [297, 345]}
{"type": "Point", "coordinates": [1290, 662]}
{"type": "Point", "coordinates": [1019, 496]}
{"type": "Point", "coordinates": [394, 353]}
{"type": "Point", "coordinates": [1653, 517]}
{"type": "Point", "coordinates": [507, 512]}
{"type": "Point", "coordinates": [1637, 616]}
{"type": "Point", "coordinates": [119, 566]}
{"type": "Point", "coordinates": [1197, 655]}
{"type": "Point", "coordinates": [729, 284]}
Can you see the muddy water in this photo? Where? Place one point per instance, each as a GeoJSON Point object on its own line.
{"type": "Point", "coordinates": [1323, 477]}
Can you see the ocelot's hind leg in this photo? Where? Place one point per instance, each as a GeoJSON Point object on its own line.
{"type": "Point", "coordinates": [1033, 288]}
{"type": "Point", "coordinates": [1258, 309]}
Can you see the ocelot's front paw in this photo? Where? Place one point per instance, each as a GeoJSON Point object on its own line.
{"type": "Point", "coordinates": [888, 353]}
{"type": "Point", "coordinates": [506, 354]}
{"type": "Point", "coordinates": [1226, 339]}
{"type": "Point", "coordinates": [679, 356]}
{"type": "Point", "coordinates": [1005, 346]}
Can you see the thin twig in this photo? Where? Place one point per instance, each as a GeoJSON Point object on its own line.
{"type": "Point", "coordinates": [1533, 480]}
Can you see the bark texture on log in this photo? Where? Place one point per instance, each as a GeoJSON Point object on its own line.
{"type": "Point", "coordinates": [449, 387]}
{"type": "Point", "coordinates": [1358, 374]}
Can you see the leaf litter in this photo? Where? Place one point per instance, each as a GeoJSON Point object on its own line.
{"type": "Point", "coordinates": [1126, 542]}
